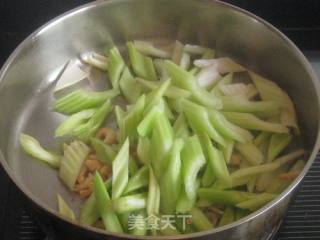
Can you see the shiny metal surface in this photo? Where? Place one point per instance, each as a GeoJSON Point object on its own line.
{"type": "Point", "coordinates": [27, 77]}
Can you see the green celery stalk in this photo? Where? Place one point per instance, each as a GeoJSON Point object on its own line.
{"type": "Point", "coordinates": [132, 120]}
{"type": "Point", "coordinates": [224, 81]}
{"type": "Point", "coordinates": [240, 104]}
{"type": "Point", "coordinates": [193, 160]}
{"type": "Point", "coordinates": [147, 48]}
{"type": "Point", "coordinates": [251, 184]}
{"type": "Point", "coordinates": [138, 180]}
{"type": "Point", "coordinates": [216, 160]}
{"type": "Point", "coordinates": [104, 152]}
{"type": "Point", "coordinates": [170, 185]}
{"type": "Point", "coordinates": [171, 92]}
{"type": "Point", "coordinates": [129, 87]}
{"type": "Point", "coordinates": [120, 170]}
{"type": "Point", "coordinates": [268, 167]}
{"type": "Point", "coordinates": [161, 142]}
{"type": "Point", "coordinates": [74, 155]}
{"type": "Point", "coordinates": [199, 121]}
{"type": "Point", "coordinates": [278, 143]}
{"type": "Point", "coordinates": [224, 197]}
{"type": "Point", "coordinates": [235, 182]}
{"type": "Point", "coordinates": [154, 97]}
{"type": "Point", "coordinates": [110, 219]}
{"type": "Point", "coordinates": [208, 177]}
{"type": "Point", "coordinates": [200, 220]}
{"type": "Point", "coordinates": [143, 150]}
{"type": "Point", "coordinates": [183, 79]}
{"type": "Point", "coordinates": [184, 203]}
{"type": "Point", "coordinates": [124, 220]}
{"type": "Point", "coordinates": [80, 100]}
{"type": "Point", "coordinates": [153, 201]}
{"type": "Point", "coordinates": [227, 129]}
{"type": "Point", "coordinates": [129, 203]}
{"type": "Point", "coordinates": [227, 217]}
{"type": "Point", "coordinates": [158, 63]}
{"type": "Point", "coordinates": [139, 227]}
{"type": "Point", "coordinates": [261, 138]}
{"type": "Point", "coordinates": [88, 129]}
{"type": "Point", "coordinates": [142, 65]}
{"type": "Point", "coordinates": [198, 50]}
{"type": "Point", "coordinates": [256, 202]}
{"type": "Point", "coordinates": [180, 127]}
{"type": "Point", "coordinates": [177, 52]}
{"type": "Point", "coordinates": [32, 146]}
{"type": "Point", "coordinates": [269, 90]}
{"type": "Point", "coordinates": [120, 114]}
{"type": "Point", "coordinates": [72, 122]}
{"type": "Point", "coordinates": [115, 66]}
{"type": "Point", "coordinates": [250, 152]}
{"type": "Point", "coordinates": [249, 121]}
{"type": "Point", "coordinates": [227, 150]}
{"type": "Point", "coordinates": [64, 209]}
{"type": "Point", "coordinates": [146, 125]}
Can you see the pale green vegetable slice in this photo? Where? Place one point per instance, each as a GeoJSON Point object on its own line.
{"type": "Point", "coordinates": [256, 202]}
{"type": "Point", "coordinates": [129, 203]}
{"type": "Point", "coordinates": [227, 217]}
{"type": "Point", "coordinates": [153, 201]}
{"type": "Point", "coordinates": [149, 49]}
{"type": "Point", "coordinates": [180, 127]}
{"type": "Point", "coordinates": [250, 152]}
{"type": "Point", "coordinates": [64, 209]}
{"type": "Point", "coordinates": [129, 87]}
{"type": "Point", "coordinates": [278, 143]}
{"type": "Point", "coordinates": [138, 181]}
{"type": "Point", "coordinates": [115, 66]}
{"type": "Point", "coordinates": [200, 220]}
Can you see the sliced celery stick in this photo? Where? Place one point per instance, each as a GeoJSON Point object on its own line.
{"type": "Point", "coordinates": [180, 127]}
{"type": "Point", "coordinates": [145, 126]}
{"type": "Point", "coordinates": [137, 181]}
{"type": "Point", "coordinates": [72, 122]}
{"type": "Point", "coordinates": [154, 97]}
{"type": "Point", "coordinates": [269, 90]}
{"type": "Point", "coordinates": [227, 217]}
{"type": "Point", "coordinates": [208, 77]}
{"type": "Point", "coordinates": [120, 114]}
{"type": "Point", "coordinates": [235, 182]}
{"type": "Point", "coordinates": [224, 197]}
{"type": "Point", "coordinates": [161, 142]}
{"type": "Point", "coordinates": [192, 161]}
{"type": "Point", "coordinates": [71, 162]}
{"type": "Point", "coordinates": [147, 48]}
{"type": "Point", "coordinates": [228, 129]}
{"type": "Point", "coordinates": [216, 160]}
{"type": "Point", "coordinates": [130, 203]}
{"type": "Point", "coordinates": [88, 129]}
{"type": "Point", "coordinates": [196, 49]}
{"type": "Point", "coordinates": [153, 201]}
{"type": "Point", "coordinates": [139, 225]}
{"type": "Point", "coordinates": [250, 152]}
{"type": "Point", "coordinates": [184, 203]}
{"type": "Point", "coordinates": [132, 119]}
{"type": "Point", "coordinates": [269, 167]}
{"type": "Point", "coordinates": [261, 138]}
{"type": "Point", "coordinates": [80, 100]}
{"type": "Point", "coordinates": [115, 66]}
{"type": "Point", "coordinates": [266, 179]}
{"type": "Point", "coordinates": [199, 121]}
{"type": "Point", "coordinates": [251, 184]}
{"type": "Point", "coordinates": [89, 213]}
{"type": "Point", "coordinates": [166, 109]}
{"type": "Point", "coordinates": [227, 150]}
{"type": "Point", "coordinates": [185, 61]}
{"type": "Point", "coordinates": [199, 220]}
{"type": "Point", "coordinates": [120, 170]}
{"type": "Point", "coordinates": [208, 177]}
{"type": "Point", "coordinates": [172, 91]}
{"type": "Point", "coordinates": [110, 219]}
{"type": "Point", "coordinates": [240, 104]}
{"type": "Point", "coordinates": [64, 209]}
{"type": "Point", "coordinates": [256, 202]}
{"type": "Point", "coordinates": [246, 91]}
{"type": "Point", "coordinates": [186, 80]}
{"type": "Point", "coordinates": [158, 63]}
{"type": "Point", "coordinates": [129, 87]}
{"type": "Point", "coordinates": [143, 150]}
{"type": "Point", "coordinates": [170, 185]}
{"type": "Point", "coordinates": [177, 52]}
{"type": "Point", "coordinates": [223, 81]}
{"type": "Point", "coordinates": [95, 59]}
{"type": "Point", "coordinates": [278, 143]}
{"type": "Point", "coordinates": [142, 65]}
{"type": "Point", "coordinates": [224, 64]}
{"type": "Point", "coordinates": [249, 121]}
{"type": "Point", "coordinates": [104, 152]}
{"type": "Point", "coordinates": [32, 147]}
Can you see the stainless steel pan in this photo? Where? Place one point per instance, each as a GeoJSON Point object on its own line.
{"type": "Point", "coordinates": [27, 77]}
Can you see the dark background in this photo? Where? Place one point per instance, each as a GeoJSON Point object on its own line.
{"type": "Point", "coordinates": [298, 19]}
